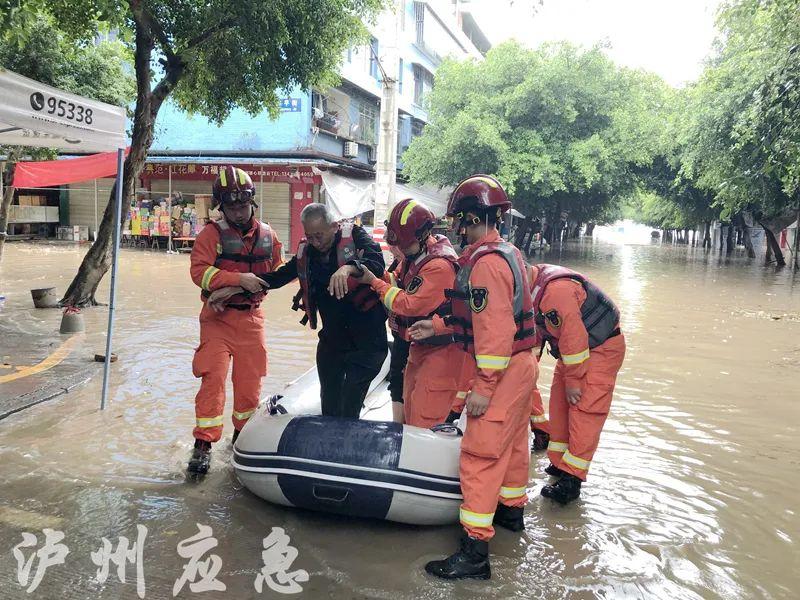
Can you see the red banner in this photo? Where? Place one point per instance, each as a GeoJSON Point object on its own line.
{"type": "Point", "coordinates": [60, 172]}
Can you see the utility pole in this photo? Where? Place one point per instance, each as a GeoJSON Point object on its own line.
{"type": "Point", "coordinates": [386, 168]}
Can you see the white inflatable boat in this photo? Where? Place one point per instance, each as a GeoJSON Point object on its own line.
{"type": "Point", "coordinates": [362, 468]}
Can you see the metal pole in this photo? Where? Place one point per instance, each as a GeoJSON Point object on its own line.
{"type": "Point", "coordinates": [386, 169]}
{"type": "Point", "coordinates": [95, 209]}
{"type": "Point", "coordinates": [114, 263]}
{"type": "Point", "coordinates": [169, 209]}
{"type": "Point", "coordinates": [261, 196]}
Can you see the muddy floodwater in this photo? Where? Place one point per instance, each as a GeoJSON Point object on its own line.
{"type": "Point", "coordinates": [693, 492]}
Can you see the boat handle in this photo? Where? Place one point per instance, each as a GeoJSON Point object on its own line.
{"type": "Point", "coordinates": [447, 428]}
{"type": "Point", "coordinates": [274, 407]}
{"type": "Point", "coordinates": [329, 489]}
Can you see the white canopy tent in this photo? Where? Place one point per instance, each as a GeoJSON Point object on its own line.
{"type": "Point", "coordinates": [37, 115]}
{"type": "Point", "coordinates": [348, 196]}
{"type": "Point", "coordinates": [33, 114]}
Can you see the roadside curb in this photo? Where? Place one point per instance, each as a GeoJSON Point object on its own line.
{"type": "Point", "coordinates": [65, 384]}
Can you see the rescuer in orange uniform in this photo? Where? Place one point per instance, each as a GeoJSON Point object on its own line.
{"type": "Point", "coordinates": [492, 319]}
{"type": "Point", "coordinates": [230, 253]}
{"type": "Point", "coordinates": [540, 426]}
{"type": "Point", "coordinates": [581, 325]}
{"type": "Point", "coordinates": [415, 293]}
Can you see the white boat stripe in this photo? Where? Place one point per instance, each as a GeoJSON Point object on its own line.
{"type": "Point", "coordinates": [345, 466]}
{"type": "Point", "coordinates": [377, 484]}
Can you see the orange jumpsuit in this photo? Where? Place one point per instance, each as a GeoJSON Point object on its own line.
{"type": "Point", "coordinates": [538, 415]}
{"type": "Point", "coordinates": [237, 334]}
{"type": "Point", "coordinates": [494, 452]}
{"type": "Point", "coordinates": [575, 430]}
{"type": "Point", "coordinates": [430, 381]}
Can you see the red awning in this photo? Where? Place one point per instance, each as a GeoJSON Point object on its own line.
{"type": "Point", "coordinates": [59, 172]}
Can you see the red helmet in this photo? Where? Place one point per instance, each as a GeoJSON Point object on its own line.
{"type": "Point", "coordinates": [408, 221]}
{"type": "Point", "coordinates": [233, 184]}
{"type": "Point", "coordinates": [481, 191]}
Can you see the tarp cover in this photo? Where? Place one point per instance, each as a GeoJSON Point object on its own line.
{"type": "Point", "coordinates": [61, 172]}
{"type": "Point", "coordinates": [348, 197]}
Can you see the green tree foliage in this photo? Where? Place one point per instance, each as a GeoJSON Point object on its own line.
{"type": "Point", "coordinates": [742, 142]}
{"type": "Point", "coordinates": [209, 56]}
{"type": "Point", "coordinates": [563, 128]}
{"type": "Point", "coordinates": [39, 49]}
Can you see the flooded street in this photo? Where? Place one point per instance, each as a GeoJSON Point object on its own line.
{"type": "Point", "coordinates": [693, 492]}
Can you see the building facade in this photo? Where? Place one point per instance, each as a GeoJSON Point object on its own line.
{"type": "Point", "coordinates": [319, 129]}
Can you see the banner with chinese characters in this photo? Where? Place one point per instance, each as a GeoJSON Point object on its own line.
{"type": "Point", "coordinates": [209, 172]}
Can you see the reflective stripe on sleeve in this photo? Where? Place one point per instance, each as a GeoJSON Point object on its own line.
{"type": "Point", "coordinates": [489, 361]}
{"type": "Point", "coordinates": [208, 276]}
{"type": "Point", "coordinates": [575, 359]}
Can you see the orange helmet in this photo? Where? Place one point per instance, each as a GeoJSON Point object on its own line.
{"type": "Point", "coordinates": [233, 185]}
{"type": "Point", "coordinates": [408, 222]}
{"type": "Point", "coordinates": [478, 191]}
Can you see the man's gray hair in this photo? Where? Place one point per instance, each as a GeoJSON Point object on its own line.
{"type": "Point", "coordinates": [317, 211]}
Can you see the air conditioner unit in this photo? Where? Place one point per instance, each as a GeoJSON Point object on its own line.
{"type": "Point", "coordinates": [350, 150]}
{"type": "Point", "coordinates": [317, 113]}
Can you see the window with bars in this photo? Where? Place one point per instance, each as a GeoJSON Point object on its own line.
{"type": "Point", "coordinates": [419, 21]}
{"type": "Point", "coordinates": [423, 83]}
{"type": "Point", "coordinates": [416, 128]}
{"type": "Point", "coordinates": [373, 58]}
{"type": "Point", "coordinates": [367, 123]}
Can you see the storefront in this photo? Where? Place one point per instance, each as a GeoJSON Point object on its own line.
{"type": "Point", "coordinates": [282, 189]}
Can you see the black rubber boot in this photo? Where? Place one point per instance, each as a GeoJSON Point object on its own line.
{"type": "Point", "coordinates": [200, 460]}
{"type": "Point", "coordinates": [509, 517]}
{"type": "Point", "coordinates": [563, 491]}
{"type": "Point", "coordinates": [235, 436]}
{"type": "Point", "coordinates": [540, 440]}
{"type": "Point", "coordinates": [553, 470]}
{"type": "Point", "coordinates": [470, 562]}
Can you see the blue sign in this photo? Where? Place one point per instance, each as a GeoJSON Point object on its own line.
{"type": "Point", "coordinates": [290, 104]}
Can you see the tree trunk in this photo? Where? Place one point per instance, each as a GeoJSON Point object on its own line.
{"type": "Point", "coordinates": [748, 242]}
{"type": "Point", "coordinates": [774, 247]}
{"type": "Point", "coordinates": [589, 229]}
{"type": "Point", "coordinates": [707, 235]}
{"type": "Point", "coordinates": [721, 238]}
{"type": "Point", "coordinates": [8, 197]}
{"type": "Point", "coordinates": [797, 235]}
{"type": "Point", "coordinates": [97, 261]}
{"type": "Point", "coordinates": [729, 241]}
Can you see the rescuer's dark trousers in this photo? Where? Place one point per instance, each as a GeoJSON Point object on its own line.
{"type": "Point", "coordinates": [350, 353]}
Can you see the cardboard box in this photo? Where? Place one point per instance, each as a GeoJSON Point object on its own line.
{"type": "Point", "coordinates": [202, 204]}
{"type": "Point", "coordinates": [80, 233]}
{"type": "Point", "coordinates": [25, 200]}
{"type": "Point", "coordinates": [51, 214]}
